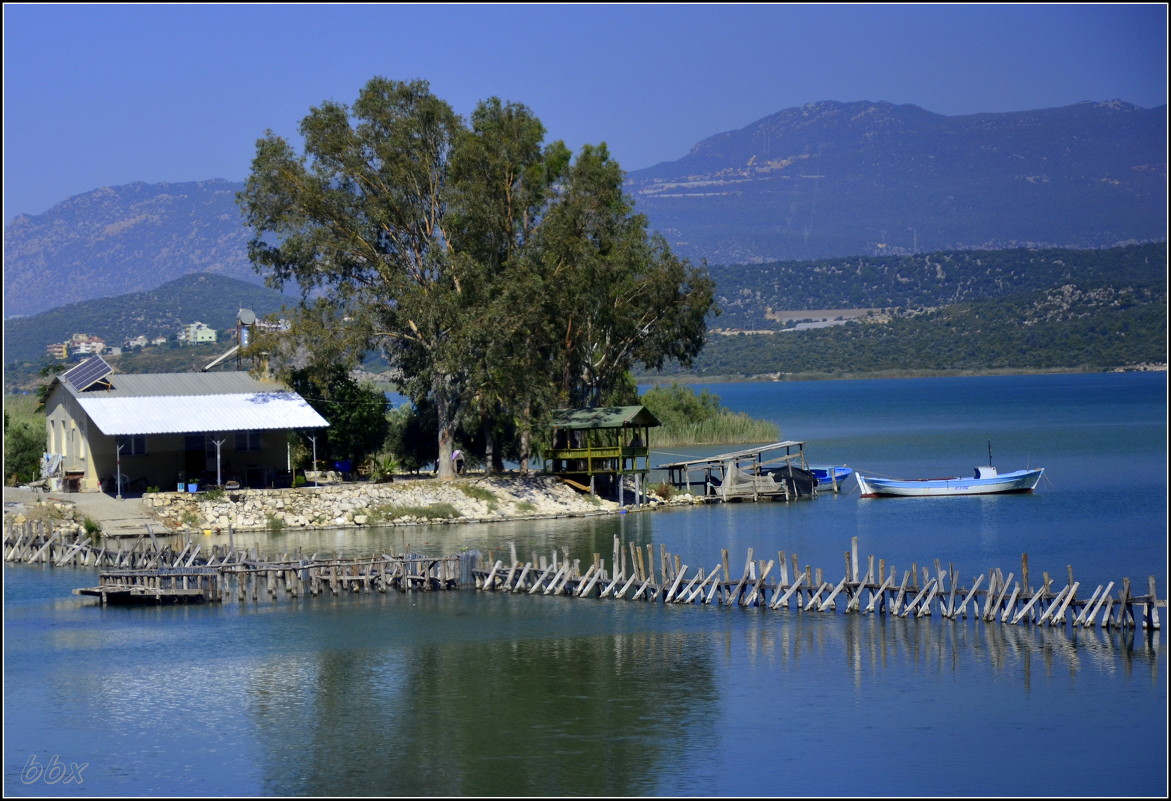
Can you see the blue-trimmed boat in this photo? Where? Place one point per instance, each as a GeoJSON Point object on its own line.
{"type": "Point", "coordinates": [830, 476]}
{"type": "Point", "coordinates": [986, 481]}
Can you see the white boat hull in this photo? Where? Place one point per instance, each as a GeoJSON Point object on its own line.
{"type": "Point", "coordinates": [1018, 481]}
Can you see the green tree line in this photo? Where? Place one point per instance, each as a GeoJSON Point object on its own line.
{"type": "Point", "coordinates": [749, 293]}
{"type": "Point", "coordinates": [1066, 328]}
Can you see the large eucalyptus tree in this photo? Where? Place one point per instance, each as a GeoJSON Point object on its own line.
{"type": "Point", "coordinates": [358, 223]}
{"type": "Point", "coordinates": [616, 294]}
{"type": "Point", "coordinates": [499, 277]}
{"type": "Point", "coordinates": [501, 184]}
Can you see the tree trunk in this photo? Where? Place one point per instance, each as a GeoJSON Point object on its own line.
{"type": "Point", "coordinates": [489, 445]}
{"type": "Point", "coordinates": [444, 468]}
{"type": "Point", "coordinates": [526, 450]}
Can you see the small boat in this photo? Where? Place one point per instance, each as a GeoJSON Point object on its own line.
{"type": "Point", "coordinates": [830, 476]}
{"type": "Point", "coordinates": [986, 481]}
{"type": "Point", "coordinates": [802, 483]}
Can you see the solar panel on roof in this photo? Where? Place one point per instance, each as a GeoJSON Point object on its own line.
{"type": "Point", "coordinates": [87, 373]}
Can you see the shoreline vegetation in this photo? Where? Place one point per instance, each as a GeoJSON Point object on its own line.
{"type": "Point", "coordinates": [691, 378]}
{"type": "Point", "coordinates": [687, 418]}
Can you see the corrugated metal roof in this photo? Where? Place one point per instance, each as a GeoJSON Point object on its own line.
{"type": "Point", "coordinates": [165, 385]}
{"type": "Point", "coordinates": [192, 413]}
{"type": "Point", "coordinates": [604, 417]}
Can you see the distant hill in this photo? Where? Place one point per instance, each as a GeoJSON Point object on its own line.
{"type": "Point", "coordinates": [212, 299]}
{"type": "Point", "coordinates": [764, 296]}
{"type": "Point", "coordinates": [821, 181]}
{"type": "Point", "coordinates": [841, 179]}
{"type": "Point", "coordinates": [953, 311]}
{"type": "Point", "coordinates": [117, 240]}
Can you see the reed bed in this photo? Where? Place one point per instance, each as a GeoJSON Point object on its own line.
{"type": "Point", "coordinates": [727, 428]}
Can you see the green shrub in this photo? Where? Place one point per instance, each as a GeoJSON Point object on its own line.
{"type": "Point", "coordinates": [666, 491]}
{"type": "Point", "coordinates": [23, 446]}
{"type": "Point", "coordinates": [93, 529]}
{"type": "Point", "coordinates": [438, 511]}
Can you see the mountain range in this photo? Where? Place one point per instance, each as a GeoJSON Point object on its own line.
{"type": "Point", "coordinates": [824, 180]}
{"type": "Point", "coordinates": [839, 179]}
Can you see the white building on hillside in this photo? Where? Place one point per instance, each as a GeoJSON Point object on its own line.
{"type": "Point", "coordinates": [196, 332]}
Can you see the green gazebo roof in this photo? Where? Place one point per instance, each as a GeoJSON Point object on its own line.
{"type": "Point", "coordinates": [604, 417]}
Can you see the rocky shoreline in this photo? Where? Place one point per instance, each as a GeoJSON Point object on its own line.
{"type": "Point", "coordinates": [402, 502]}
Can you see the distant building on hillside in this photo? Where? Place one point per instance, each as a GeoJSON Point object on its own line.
{"type": "Point", "coordinates": [85, 344]}
{"type": "Point", "coordinates": [195, 333]}
{"type": "Point", "coordinates": [58, 351]}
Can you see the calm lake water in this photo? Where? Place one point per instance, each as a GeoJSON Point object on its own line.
{"type": "Point", "coordinates": [488, 694]}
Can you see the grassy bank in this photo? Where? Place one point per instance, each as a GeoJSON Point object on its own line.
{"type": "Point", "coordinates": [23, 408]}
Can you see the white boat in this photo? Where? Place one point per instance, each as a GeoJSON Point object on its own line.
{"type": "Point", "coordinates": [986, 481]}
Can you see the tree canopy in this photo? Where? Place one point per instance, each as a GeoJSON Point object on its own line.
{"type": "Point", "coordinates": [500, 275]}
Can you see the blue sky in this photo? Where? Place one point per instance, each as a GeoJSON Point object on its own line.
{"type": "Point", "coordinates": [105, 95]}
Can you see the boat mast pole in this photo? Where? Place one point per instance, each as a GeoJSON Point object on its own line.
{"type": "Point", "coordinates": [989, 453]}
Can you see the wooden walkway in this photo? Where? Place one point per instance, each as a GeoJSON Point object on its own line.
{"type": "Point", "coordinates": [147, 572]}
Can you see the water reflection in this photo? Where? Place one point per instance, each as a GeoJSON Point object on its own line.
{"type": "Point", "coordinates": [870, 644]}
{"type": "Point", "coordinates": [528, 711]}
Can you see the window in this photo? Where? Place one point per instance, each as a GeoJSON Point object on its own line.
{"type": "Point", "coordinates": [200, 442]}
{"type": "Point", "coordinates": [133, 445]}
{"type": "Point", "coordinates": [247, 440]}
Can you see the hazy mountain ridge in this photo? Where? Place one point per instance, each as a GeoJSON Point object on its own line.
{"type": "Point", "coordinates": [820, 181]}
{"type": "Point", "coordinates": [118, 240]}
{"type": "Point", "coordinates": [972, 310]}
{"type": "Point", "coordinates": [837, 179]}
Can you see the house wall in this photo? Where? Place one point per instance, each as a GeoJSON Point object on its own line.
{"type": "Point", "coordinates": [255, 459]}
{"type": "Point", "coordinates": [67, 433]}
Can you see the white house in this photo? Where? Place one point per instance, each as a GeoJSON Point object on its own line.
{"type": "Point", "coordinates": [171, 428]}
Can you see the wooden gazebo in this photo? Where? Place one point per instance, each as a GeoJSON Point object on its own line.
{"type": "Point", "coordinates": [610, 441]}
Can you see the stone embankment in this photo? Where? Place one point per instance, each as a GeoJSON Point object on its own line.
{"type": "Point", "coordinates": [481, 499]}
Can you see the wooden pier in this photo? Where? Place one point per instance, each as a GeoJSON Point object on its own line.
{"type": "Point", "coordinates": [252, 578]}
{"type": "Point", "coordinates": [148, 572]}
{"type": "Point", "coordinates": [769, 472]}
{"type": "Point", "coordinates": [992, 597]}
